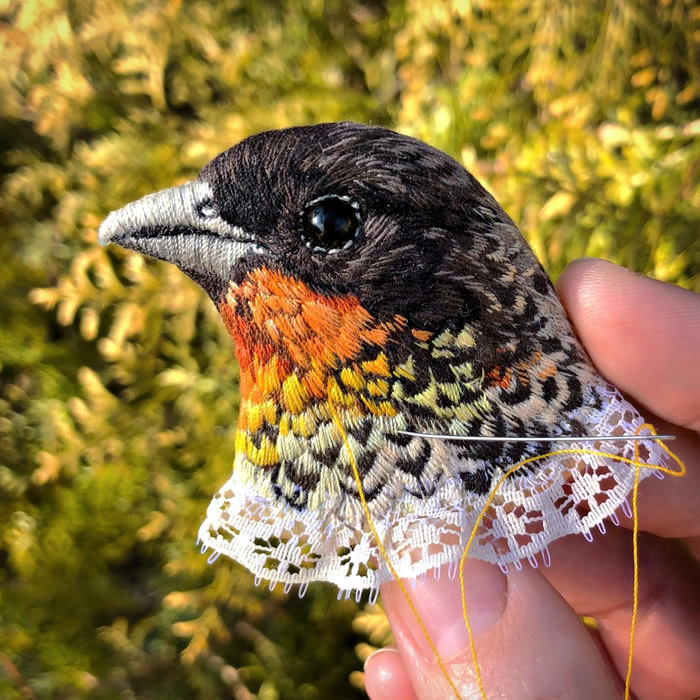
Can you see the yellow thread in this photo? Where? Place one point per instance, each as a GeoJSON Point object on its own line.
{"type": "Point", "coordinates": [635, 563]}
{"type": "Point", "coordinates": [351, 378]}
{"type": "Point", "coordinates": [383, 552]}
{"type": "Point", "coordinates": [633, 462]}
{"type": "Point", "coordinates": [379, 366]}
{"type": "Point", "coordinates": [378, 387]}
{"type": "Point", "coordinates": [295, 395]}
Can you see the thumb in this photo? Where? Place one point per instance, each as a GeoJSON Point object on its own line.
{"type": "Point", "coordinates": [529, 642]}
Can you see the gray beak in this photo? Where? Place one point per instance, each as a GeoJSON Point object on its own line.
{"type": "Point", "coordinates": [175, 207]}
{"type": "Point", "coordinates": [181, 225]}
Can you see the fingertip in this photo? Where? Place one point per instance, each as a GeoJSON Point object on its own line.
{"type": "Point", "coordinates": [386, 677]}
{"type": "Point", "coordinates": [586, 284]}
{"type": "Point", "coordinates": [643, 335]}
{"type": "Point", "coordinates": [438, 604]}
{"type": "Point", "coordinates": [530, 644]}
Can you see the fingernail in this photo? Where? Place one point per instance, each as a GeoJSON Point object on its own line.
{"type": "Point", "coordinates": [439, 606]}
{"type": "Point", "coordinates": [374, 656]}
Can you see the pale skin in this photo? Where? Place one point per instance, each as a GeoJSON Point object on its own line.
{"type": "Point", "coordinates": [643, 336]}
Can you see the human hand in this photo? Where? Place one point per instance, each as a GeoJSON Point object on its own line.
{"type": "Point", "coordinates": [644, 336]}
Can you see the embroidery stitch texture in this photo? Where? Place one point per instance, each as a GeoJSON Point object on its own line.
{"type": "Point", "coordinates": [437, 319]}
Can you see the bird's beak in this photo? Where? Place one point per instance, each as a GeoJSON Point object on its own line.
{"type": "Point", "coordinates": [158, 214]}
{"type": "Point", "coordinates": [181, 225]}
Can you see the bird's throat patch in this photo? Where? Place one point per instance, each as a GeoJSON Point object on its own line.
{"type": "Point", "coordinates": [295, 347]}
{"type": "Point", "coordinates": [278, 319]}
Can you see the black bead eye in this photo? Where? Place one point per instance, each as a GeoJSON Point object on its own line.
{"type": "Point", "coordinates": [330, 223]}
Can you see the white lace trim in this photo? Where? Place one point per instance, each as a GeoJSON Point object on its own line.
{"type": "Point", "coordinates": [562, 495]}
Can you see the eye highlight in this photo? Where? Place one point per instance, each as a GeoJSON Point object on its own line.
{"type": "Point", "coordinates": [330, 223]}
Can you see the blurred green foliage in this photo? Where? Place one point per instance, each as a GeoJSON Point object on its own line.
{"type": "Point", "coordinates": [118, 385]}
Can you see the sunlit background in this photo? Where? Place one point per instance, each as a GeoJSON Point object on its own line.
{"type": "Point", "coordinates": [118, 385]}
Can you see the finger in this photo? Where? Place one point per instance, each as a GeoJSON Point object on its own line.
{"type": "Point", "coordinates": [596, 580]}
{"type": "Point", "coordinates": [612, 670]}
{"type": "Point", "coordinates": [386, 677]}
{"type": "Point", "coordinates": [644, 337]}
{"type": "Point", "coordinates": [529, 642]}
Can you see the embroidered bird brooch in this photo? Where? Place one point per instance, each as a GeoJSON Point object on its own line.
{"type": "Point", "coordinates": [400, 348]}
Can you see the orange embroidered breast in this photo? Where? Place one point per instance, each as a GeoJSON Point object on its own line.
{"type": "Point", "coordinates": [289, 338]}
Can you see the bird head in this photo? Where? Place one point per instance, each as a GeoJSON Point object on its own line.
{"type": "Point", "coordinates": [355, 263]}
{"type": "Point", "coordinates": [374, 290]}
{"type": "Point", "coordinates": [345, 209]}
